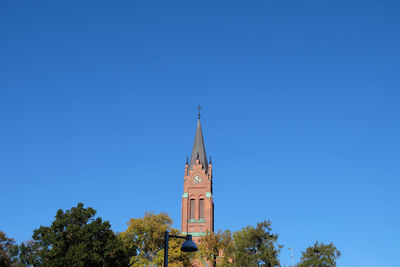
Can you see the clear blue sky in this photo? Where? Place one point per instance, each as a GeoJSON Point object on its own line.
{"type": "Point", "coordinates": [301, 115]}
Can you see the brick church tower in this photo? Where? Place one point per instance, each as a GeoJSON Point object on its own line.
{"type": "Point", "coordinates": [197, 198]}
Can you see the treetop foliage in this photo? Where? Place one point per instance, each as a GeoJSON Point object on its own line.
{"type": "Point", "coordinates": [74, 238]}
{"type": "Point", "coordinates": [251, 246]}
{"type": "Point", "coordinates": [144, 239]}
{"type": "Point", "coordinates": [319, 255]}
{"type": "Point", "coordinates": [6, 249]}
{"type": "Point", "coordinates": [256, 246]}
{"type": "Point", "coordinates": [77, 238]}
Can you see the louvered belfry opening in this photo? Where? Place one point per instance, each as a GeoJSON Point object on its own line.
{"type": "Point", "coordinates": [192, 209]}
{"type": "Point", "coordinates": [201, 208]}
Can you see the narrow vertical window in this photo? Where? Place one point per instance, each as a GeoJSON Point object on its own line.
{"type": "Point", "coordinates": [192, 212]}
{"type": "Point", "coordinates": [201, 208]}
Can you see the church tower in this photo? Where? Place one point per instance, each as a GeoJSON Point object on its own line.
{"type": "Point", "coordinates": [197, 198]}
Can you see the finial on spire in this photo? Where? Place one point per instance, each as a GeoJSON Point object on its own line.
{"type": "Point", "coordinates": [210, 160]}
{"type": "Point", "coordinates": [187, 160]}
{"type": "Point", "coordinates": [198, 114]}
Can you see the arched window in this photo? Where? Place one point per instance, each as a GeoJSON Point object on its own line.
{"type": "Point", "coordinates": [192, 207]}
{"type": "Point", "coordinates": [201, 208]}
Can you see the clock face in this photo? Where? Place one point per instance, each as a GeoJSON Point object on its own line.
{"type": "Point", "coordinates": [197, 179]}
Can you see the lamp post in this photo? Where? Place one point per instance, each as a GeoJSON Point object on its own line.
{"type": "Point", "coordinates": [187, 246]}
{"type": "Point", "coordinates": [291, 249]}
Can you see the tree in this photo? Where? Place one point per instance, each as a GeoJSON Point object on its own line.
{"type": "Point", "coordinates": [227, 244]}
{"type": "Point", "coordinates": [74, 238]}
{"type": "Point", "coordinates": [255, 246]}
{"type": "Point", "coordinates": [211, 244]}
{"type": "Point", "coordinates": [6, 250]}
{"type": "Point", "coordinates": [144, 239]}
{"type": "Point", "coordinates": [319, 255]}
{"type": "Point", "coordinates": [28, 254]}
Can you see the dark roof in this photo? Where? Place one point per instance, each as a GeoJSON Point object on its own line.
{"type": "Point", "coordinates": [199, 150]}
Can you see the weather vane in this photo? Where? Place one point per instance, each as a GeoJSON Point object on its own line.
{"type": "Point", "coordinates": [199, 108]}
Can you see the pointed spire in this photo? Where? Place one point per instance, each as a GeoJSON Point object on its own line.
{"type": "Point", "coordinates": [199, 150]}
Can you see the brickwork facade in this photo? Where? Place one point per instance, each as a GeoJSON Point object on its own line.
{"type": "Point", "coordinates": [197, 187]}
{"type": "Point", "coordinates": [197, 199]}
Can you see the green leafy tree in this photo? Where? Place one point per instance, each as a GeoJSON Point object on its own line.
{"type": "Point", "coordinates": [319, 255]}
{"type": "Point", "coordinates": [28, 254]}
{"type": "Point", "coordinates": [144, 239]}
{"type": "Point", "coordinates": [227, 245]}
{"type": "Point", "coordinates": [75, 238]}
{"type": "Point", "coordinates": [255, 246]}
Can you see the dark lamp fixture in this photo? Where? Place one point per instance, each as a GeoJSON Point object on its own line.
{"type": "Point", "coordinates": [187, 246]}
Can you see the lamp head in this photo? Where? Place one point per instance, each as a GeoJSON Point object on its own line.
{"type": "Point", "coordinates": [189, 245]}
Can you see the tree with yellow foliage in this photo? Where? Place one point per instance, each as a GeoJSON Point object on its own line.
{"type": "Point", "coordinates": [144, 240]}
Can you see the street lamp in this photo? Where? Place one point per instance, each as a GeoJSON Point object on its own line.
{"type": "Point", "coordinates": [187, 246]}
{"type": "Point", "coordinates": [291, 249]}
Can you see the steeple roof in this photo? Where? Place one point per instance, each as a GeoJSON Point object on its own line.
{"type": "Point", "coordinates": [199, 150]}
